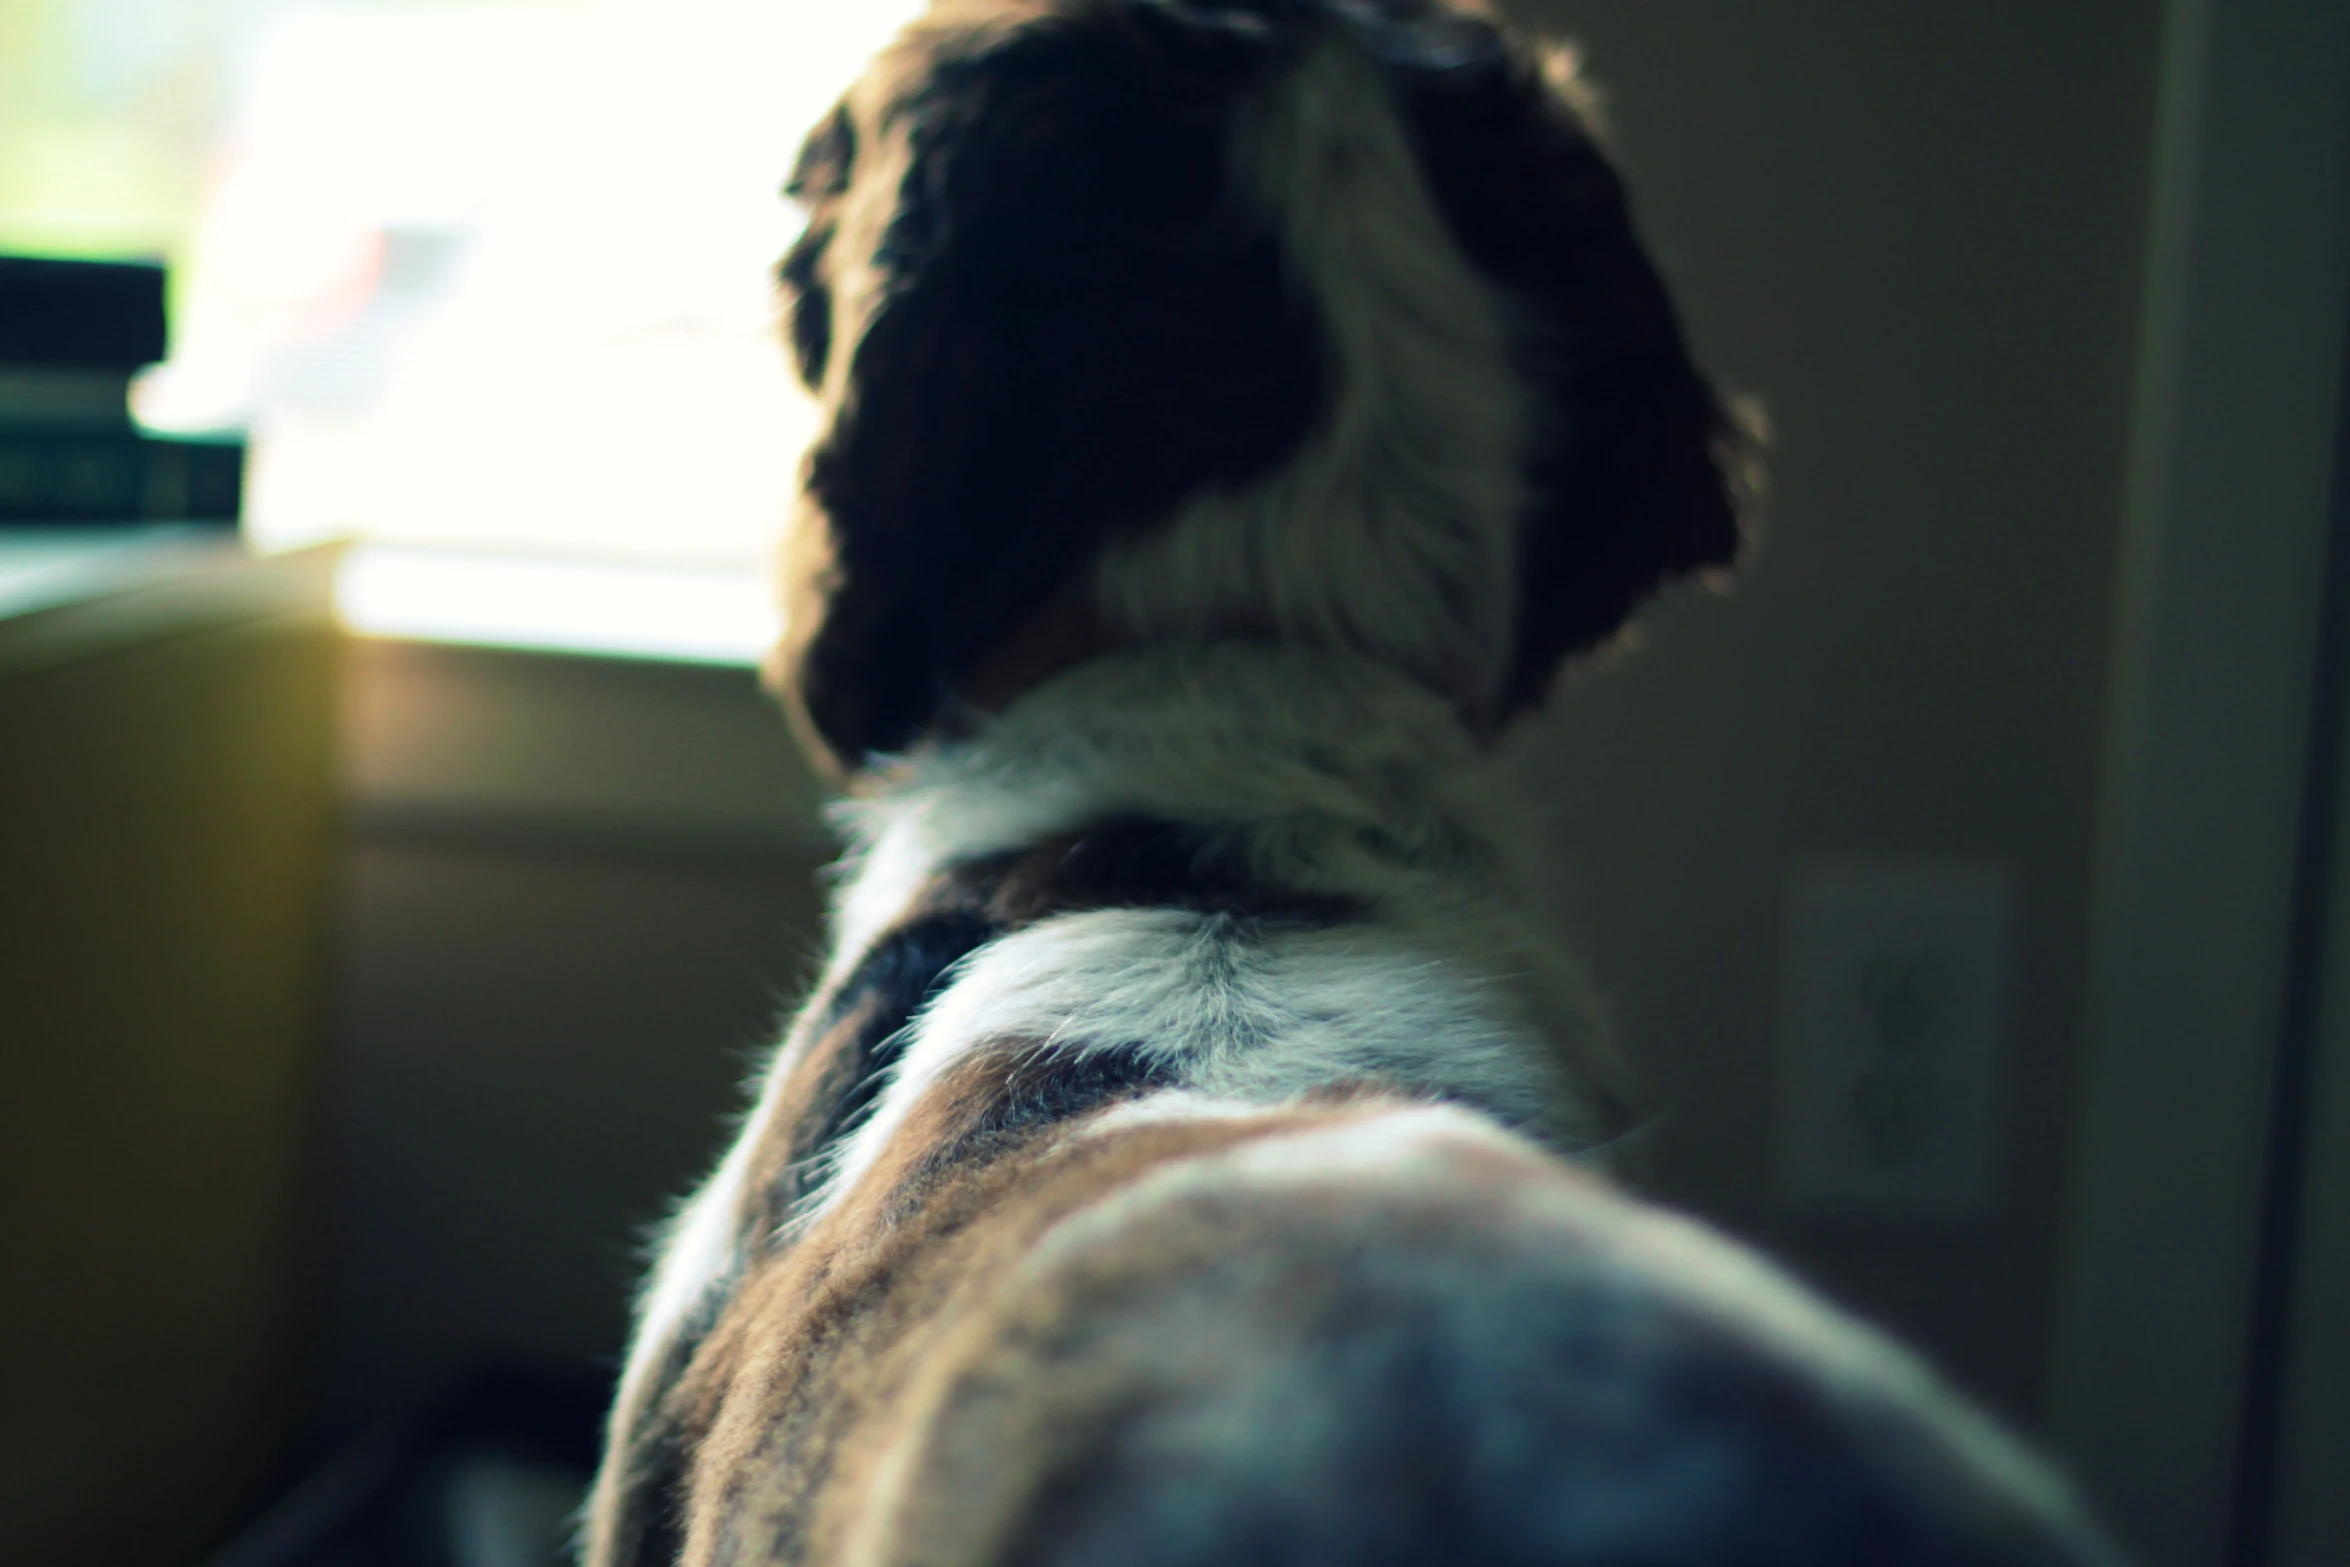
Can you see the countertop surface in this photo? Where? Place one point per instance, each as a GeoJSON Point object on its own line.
{"type": "Point", "coordinates": [70, 593]}
{"type": "Point", "coordinates": [42, 568]}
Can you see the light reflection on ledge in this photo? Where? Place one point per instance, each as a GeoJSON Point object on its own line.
{"type": "Point", "coordinates": [601, 608]}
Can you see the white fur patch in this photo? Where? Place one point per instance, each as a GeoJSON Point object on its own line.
{"type": "Point", "coordinates": [1171, 1107]}
{"type": "Point", "coordinates": [701, 1248]}
{"type": "Point", "coordinates": [1228, 1010]}
{"type": "Point", "coordinates": [1327, 775]}
{"type": "Point", "coordinates": [1394, 531]}
{"type": "Point", "coordinates": [1403, 1147]}
{"type": "Point", "coordinates": [1213, 733]}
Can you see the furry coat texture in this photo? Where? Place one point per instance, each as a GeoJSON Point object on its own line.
{"type": "Point", "coordinates": [1234, 414]}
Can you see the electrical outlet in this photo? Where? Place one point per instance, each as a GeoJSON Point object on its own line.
{"type": "Point", "coordinates": [1892, 1040]}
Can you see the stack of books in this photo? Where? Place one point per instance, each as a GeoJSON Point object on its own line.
{"type": "Point", "coordinates": [73, 335]}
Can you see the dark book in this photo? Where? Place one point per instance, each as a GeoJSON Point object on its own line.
{"type": "Point", "coordinates": [83, 315]}
{"type": "Point", "coordinates": [72, 477]}
{"type": "Point", "coordinates": [51, 397]}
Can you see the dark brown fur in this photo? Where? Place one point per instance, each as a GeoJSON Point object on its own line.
{"type": "Point", "coordinates": [1082, 326]}
{"type": "Point", "coordinates": [789, 1402]}
{"type": "Point", "coordinates": [1080, 332]}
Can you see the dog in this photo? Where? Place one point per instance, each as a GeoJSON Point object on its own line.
{"type": "Point", "coordinates": [1234, 413]}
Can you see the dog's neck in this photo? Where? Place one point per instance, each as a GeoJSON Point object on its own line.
{"type": "Point", "coordinates": [1314, 776]}
{"type": "Point", "coordinates": [1067, 632]}
{"type": "Point", "coordinates": [1070, 631]}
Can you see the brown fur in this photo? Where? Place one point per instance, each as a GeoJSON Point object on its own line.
{"type": "Point", "coordinates": [805, 1381]}
{"type": "Point", "coordinates": [829, 1059]}
{"type": "Point", "coordinates": [1007, 1418]}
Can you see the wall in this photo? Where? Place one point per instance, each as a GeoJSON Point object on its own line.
{"type": "Point", "coordinates": [2175, 1372]}
{"type": "Point", "coordinates": [576, 896]}
{"type": "Point", "coordinates": [1915, 232]}
{"type": "Point", "coordinates": [165, 812]}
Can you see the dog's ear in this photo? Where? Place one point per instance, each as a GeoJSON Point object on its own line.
{"type": "Point", "coordinates": [1638, 471]}
{"type": "Point", "coordinates": [1061, 326]}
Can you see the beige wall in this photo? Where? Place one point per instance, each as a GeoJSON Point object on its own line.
{"type": "Point", "coordinates": [576, 896]}
{"type": "Point", "coordinates": [165, 812]}
{"type": "Point", "coordinates": [1916, 233]}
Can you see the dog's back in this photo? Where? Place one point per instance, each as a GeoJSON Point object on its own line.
{"type": "Point", "coordinates": [1368, 1333]}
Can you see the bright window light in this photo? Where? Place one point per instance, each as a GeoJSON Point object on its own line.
{"type": "Point", "coordinates": [634, 611]}
{"type": "Point", "coordinates": [489, 280]}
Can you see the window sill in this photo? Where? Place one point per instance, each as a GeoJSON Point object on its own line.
{"type": "Point", "coordinates": [597, 608]}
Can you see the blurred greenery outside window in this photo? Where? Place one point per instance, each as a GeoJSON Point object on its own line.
{"type": "Point", "coordinates": [482, 282]}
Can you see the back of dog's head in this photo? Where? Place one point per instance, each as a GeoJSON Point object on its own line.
{"type": "Point", "coordinates": [1315, 320]}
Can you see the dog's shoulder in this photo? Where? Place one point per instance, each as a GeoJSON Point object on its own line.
{"type": "Point", "coordinates": [1183, 1330]}
{"type": "Point", "coordinates": [1387, 1332]}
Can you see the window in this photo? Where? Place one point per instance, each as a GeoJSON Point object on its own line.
{"type": "Point", "coordinates": [487, 285]}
